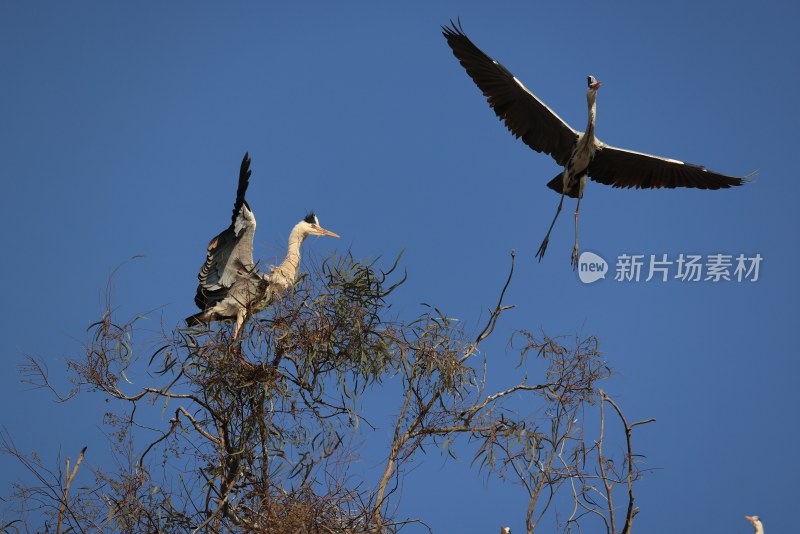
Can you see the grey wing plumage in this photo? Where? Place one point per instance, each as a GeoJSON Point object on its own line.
{"type": "Point", "coordinates": [230, 254]}
{"type": "Point", "coordinates": [618, 167]}
{"type": "Point", "coordinates": [524, 115]}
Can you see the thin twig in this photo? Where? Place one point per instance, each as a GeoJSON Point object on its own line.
{"type": "Point", "coordinates": [62, 507]}
{"type": "Point", "coordinates": [495, 315]}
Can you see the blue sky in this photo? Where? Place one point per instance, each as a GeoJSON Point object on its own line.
{"type": "Point", "coordinates": [122, 127]}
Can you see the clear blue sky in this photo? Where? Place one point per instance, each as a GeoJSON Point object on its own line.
{"type": "Point", "coordinates": [122, 127]}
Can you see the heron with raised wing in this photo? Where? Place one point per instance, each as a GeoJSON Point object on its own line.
{"type": "Point", "coordinates": [581, 154]}
{"type": "Point", "coordinates": [231, 285]}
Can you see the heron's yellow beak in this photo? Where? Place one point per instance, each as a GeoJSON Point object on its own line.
{"type": "Point", "coordinates": [322, 231]}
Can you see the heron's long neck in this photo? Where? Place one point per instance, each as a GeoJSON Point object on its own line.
{"type": "Point", "coordinates": [291, 263]}
{"type": "Point", "coordinates": [591, 100]}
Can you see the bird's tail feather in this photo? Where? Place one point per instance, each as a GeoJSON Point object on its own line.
{"type": "Point", "coordinates": [202, 317]}
{"type": "Point", "coordinates": [557, 184]}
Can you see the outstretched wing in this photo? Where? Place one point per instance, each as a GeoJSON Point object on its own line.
{"type": "Point", "coordinates": [230, 254]}
{"type": "Point", "coordinates": [524, 115]}
{"type": "Point", "coordinates": [618, 167]}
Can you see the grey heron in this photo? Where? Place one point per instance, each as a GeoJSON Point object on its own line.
{"type": "Point", "coordinates": [758, 528]}
{"type": "Point", "coordinates": [231, 285]}
{"type": "Point", "coordinates": [581, 154]}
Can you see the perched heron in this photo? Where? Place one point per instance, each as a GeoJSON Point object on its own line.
{"type": "Point", "coordinates": [758, 528]}
{"type": "Point", "coordinates": [231, 286]}
{"type": "Point", "coordinates": [581, 154]}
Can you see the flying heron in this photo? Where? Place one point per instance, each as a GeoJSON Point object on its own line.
{"type": "Point", "coordinates": [231, 286]}
{"type": "Point", "coordinates": [581, 154]}
{"type": "Point", "coordinates": [756, 522]}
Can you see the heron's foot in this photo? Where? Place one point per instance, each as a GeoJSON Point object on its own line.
{"type": "Point", "coordinates": [543, 248]}
{"type": "Point", "coordinates": [574, 260]}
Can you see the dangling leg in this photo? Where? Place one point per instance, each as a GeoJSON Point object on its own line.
{"type": "Point", "coordinates": [577, 209]}
{"type": "Point", "coordinates": [543, 246]}
{"type": "Point", "coordinates": [240, 314]}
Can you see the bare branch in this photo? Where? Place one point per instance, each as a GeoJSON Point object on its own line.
{"type": "Point", "coordinates": [65, 494]}
{"type": "Point", "coordinates": [631, 511]}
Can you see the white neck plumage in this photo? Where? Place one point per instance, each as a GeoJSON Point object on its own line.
{"type": "Point", "coordinates": [585, 149]}
{"type": "Point", "coordinates": [591, 100]}
{"type": "Point", "coordinates": [287, 270]}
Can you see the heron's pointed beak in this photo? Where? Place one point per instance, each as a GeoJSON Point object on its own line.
{"type": "Point", "coordinates": [596, 85]}
{"type": "Point", "coordinates": [752, 520]}
{"type": "Point", "coordinates": [322, 231]}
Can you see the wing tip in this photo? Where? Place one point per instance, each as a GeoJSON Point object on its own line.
{"type": "Point", "coordinates": [750, 178]}
{"type": "Point", "coordinates": [245, 167]}
{"type": "Point", "coordinates": [244, 181]}
{"type": "Point", "coordinates": [732, 181]}
{"type": "Point", "coordinates": [454, 28]}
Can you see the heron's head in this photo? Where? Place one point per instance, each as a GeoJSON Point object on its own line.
{"type": "Point", "coordinates": [310, 226]}
{"type": "Point", "coordinates": [757, 526]}
{"type": "Point", "coordinates": [594, 85]}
